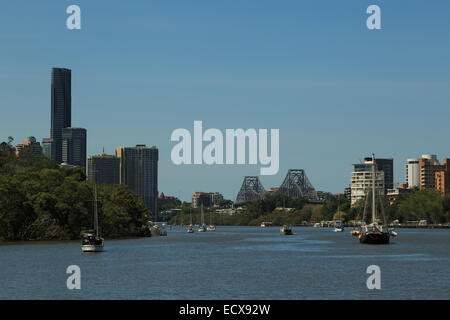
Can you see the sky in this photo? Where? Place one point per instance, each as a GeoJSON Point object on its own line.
{"type": "Point", "coordinates": [336, 90]}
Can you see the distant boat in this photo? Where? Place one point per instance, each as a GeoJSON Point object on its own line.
{"type": "Point", "coordinates": [157, 230]}
{"type": "Point", "coordinates": [211, 227]}
{"type": "Point", "coordinates": [373, 233]}
{"type": "Point", "coordinates": [190, 228]}
{"type": "Point", "coordinates": [202, 227]}
{"type": "Point", "coordinates": [286, 230]}
{"type": "Point", "coordinates": [91, 240]}
{"type": "Point", "coordinates": [339, 227]}
{"type": "Point", "coordinates": [265, 224]}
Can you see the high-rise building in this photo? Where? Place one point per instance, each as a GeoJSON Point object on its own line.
{"type": "Point", "coordinates": [412, 173]}
{"type": "Point", "coordinates": [48, 148]}
{"type": "Point", "coordinates": [103, 169]}
{"type": "Point", "coordinates": [361, 181]}
{"type": "Point", "coordinates": [442, 178]}
{"type": "Point", "coordinates": [139, 171]}
{"type": "Point", "coordinates": [74, 146]}
{"type": "Point", "coordinates": [387, 166]}
{"type": "Point", "coordinates": [429, 165]}
{"type": "Point", "coordinates": [61, 100]}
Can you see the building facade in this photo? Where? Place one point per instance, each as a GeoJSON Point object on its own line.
{"type": "Point", "coordinates": [48, 148]}
{"type": "Point", "coordinates": [361, 181]}
{"type": "Point", "coordinates": [29, 147]}
{"type": "Point", "coordinates": [207, 199]}
{"type": "Point", "coordinates": [429, 165]}
{"type": "Point", "coordinates": [387, 166]}
{"type": "Point", "coordinates": [442, 178]}
{"type": "Point", "coordinates": [103, 169]}
{"type": "Point", "coordinates": [138, 169]}
{"type": "Point", "coordinates": [61, 108]}
{"type": "Point", "coordinates": [74, 146]}
{"type": "Point", "coordinates": [412, 173]}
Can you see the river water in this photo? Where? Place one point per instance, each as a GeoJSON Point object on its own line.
{"type": "Point", "coordinates": [233, 263]}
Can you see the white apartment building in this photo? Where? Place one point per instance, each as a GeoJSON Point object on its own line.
{"type": "Point", "coordinates": [412, 173]}
{"type": "Point", "coordinates": [361, 181]}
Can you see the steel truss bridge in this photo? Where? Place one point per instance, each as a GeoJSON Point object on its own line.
{"type": "Point", "coordinates": [295, 185]}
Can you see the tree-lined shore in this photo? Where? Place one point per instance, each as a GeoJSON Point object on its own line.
{"type": "Point", "coordinates": [40, 200]}
{"type": "Point", "coordinates": [427, 204]}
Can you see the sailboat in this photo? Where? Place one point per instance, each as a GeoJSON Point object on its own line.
{"type": "Point", "coordinates": [211, 227]}
{"type": "Point", "coordinates": [373, 233]}
{"type": "Point", "coordinates": [157, 229]}
{"type": "Point", "coordinates": [202, 227]}
{"type": "Point", "coordinates": [339, 227]}
{"type": "Point", "coordinates": [190, 228]}
{"type": "Point", "coordinates": [91, 240]}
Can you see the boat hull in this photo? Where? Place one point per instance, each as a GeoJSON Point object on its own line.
{"type": "Point", "coordinates": [91, 248]}
{"type": "Point", "coordinates": [374, 238]}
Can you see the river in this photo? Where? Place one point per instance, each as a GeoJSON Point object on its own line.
{"type": "Point", "coordinates": [233, 263]}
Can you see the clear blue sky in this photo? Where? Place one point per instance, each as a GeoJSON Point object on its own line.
{"type": "Point", "coordinates": [141, 69]}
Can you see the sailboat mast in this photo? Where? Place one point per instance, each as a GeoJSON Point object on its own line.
{"type": "Point", "coordinates": [203, 216]}
{"type": "Point", "coordinates": [373, 189]}
{"type": "Point", "coordinates": [95, 209]}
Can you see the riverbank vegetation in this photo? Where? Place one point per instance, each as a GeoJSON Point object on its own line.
{"type": "Point", "coordinates": [419, 205]}
{"type": "Point", "coordinates": [40, 200]}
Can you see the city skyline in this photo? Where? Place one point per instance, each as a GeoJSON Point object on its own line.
{"type": "Point", "coordinates": [252, 67]}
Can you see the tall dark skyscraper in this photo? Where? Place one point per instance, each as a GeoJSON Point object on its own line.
{"type": "Point", "coordinates": [104, 169]}
{"type": "Point", "coordinates": [61, 97]}
{"type": "Point", "coordinates": [139, 171]}
{"type": "Point", "coordinates": [74, 146]}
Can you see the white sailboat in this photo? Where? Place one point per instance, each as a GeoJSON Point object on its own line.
{"type": "Point", "coordinates": [190, 228]}
{"type": "Point", "coordinates": [202, 227]}
{"type": "Point", "coordinates": [211, 227]}
{"type": "Point", "coordinates": [339, 227]}
{"type": "Point", "coordinates": [91, 240]}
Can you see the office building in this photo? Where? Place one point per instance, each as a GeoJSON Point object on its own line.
{"type": "Point", "coordinates": [103, 169]}
{"type": "Point", "coordinates": [48, 148]}
{"type": "Point", "coordinates": [139, 171]}
{"type": "Point", "coordinates": [61, 108]}
{"type": "Point", "coordinates": [361, 181]}
{"type": "Point", "coordinates": [74, 146]}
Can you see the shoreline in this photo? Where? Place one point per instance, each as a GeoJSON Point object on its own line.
{"type": "Point", "coordinates": [19, 242]}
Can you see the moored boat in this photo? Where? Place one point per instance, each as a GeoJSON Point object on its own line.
{"type": "Point", "coordinates": [202, 227]}
{"type": "Point", "coordinates": [91, 240]}
{"type": "Point", "coordinates": [286, 230]}
{"type": "Point", "coordinates": [373, 233]}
